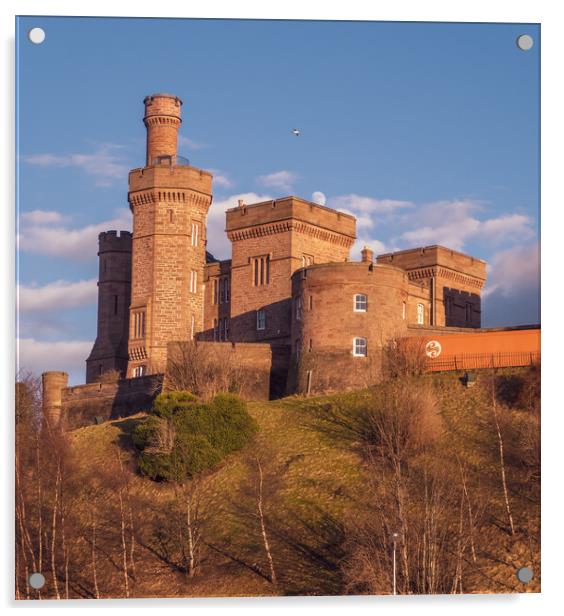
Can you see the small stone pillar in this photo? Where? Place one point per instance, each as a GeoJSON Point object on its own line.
{"type": "Point", "coordinates": [53, 385]}
{"type": "Point", "coordinates": [367, 255]}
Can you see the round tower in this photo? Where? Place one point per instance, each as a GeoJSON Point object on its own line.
{"type": "Point", "coordinates": [162, 119]}
{"type": "Point", "coordinates": [53, 385]}
{"type": "Point", "coordinates": [343, 314]}
{"type": "Point", "coordinates": [114, 297]}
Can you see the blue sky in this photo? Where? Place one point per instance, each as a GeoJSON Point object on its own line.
{"type": "Point", "coordinates": [428, 133]}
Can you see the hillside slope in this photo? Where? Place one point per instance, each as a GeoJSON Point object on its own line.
{"type": "Point", "coordinates": [319, 487]}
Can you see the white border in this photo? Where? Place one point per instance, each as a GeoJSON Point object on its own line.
{"type": "Point", "coordinates": [547, 12]}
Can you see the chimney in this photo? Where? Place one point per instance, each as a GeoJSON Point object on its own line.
{"type": "Point", "coordinates": [241, 203]}
{"type": "Point", "coordinates": [367, 255]}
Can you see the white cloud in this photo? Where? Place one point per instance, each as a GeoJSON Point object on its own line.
{"type": "Point", "coordinates": [367, 205]}
{"type": "Point", "coordinates": [41, 217]}
{"type": "Point", "coordinates": [514, 270]}
{"type": "Point", "coordinates": [221, 179]}
{"type": "Point", "coordinates": [63, 241]}
{"type": "Point", "coordinates": [453, 223]}
{"type": "Point", "coordinates": [218, 244]}
{"type": "Point", "coordinates": [319, 197]}
{"type": "Point", "coordinates": [283, 180]}
{"type": "Point", "coordinates": [56, 295]}
{"type": "Point", "coordinates": [190, 143]}
{"type": "Point", "coordinates": [38, 356]}
{"type": "Point", "coordinates": [106, 164]}
{"type": "Point", "coordinates": [377, 247]}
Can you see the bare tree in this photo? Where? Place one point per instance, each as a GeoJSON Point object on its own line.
{"type": "Point", "coordinates": [204, 369]}
{"type": "Point", "coordinates": [501, 454]}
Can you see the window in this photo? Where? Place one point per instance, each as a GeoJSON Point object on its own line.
{"type": "Point", "coordinates": [403, 310]}
{"type": "Point", "coordinates": [139, 371]}
{"type": "Point", "coordinates": [310, 344]}
{"type": "Point", "coordinates": [307, 260]}
{"type": "Point", "coordinates": [223, 290]}
{"type": "Point", "coordinates": [226, 329]}
{"type": "Point", "coordinates": [468, 312]}
{"type": "Point", "coordinates": [215, 294]}
{"type": "Point", "coordinates": [448, 306]}
{"type": "Point", "coordinates": [420, 314]}
{"type": "Point", "coordinates": [359, 347]}
{"type": "Point", "coordinates": [139, 324]}
{"type": "Point", "coordinates": [215, 330]}
{"type": "Point", "coordinates": [261, 320]}
{"type": "Point", "coordinates": [261, 270]}
{"type": "Point", "coordinates": [193, 281]}
{"type": "Point", "coordinates": [298, 308]}
{"type": "Point", "coordinates": [192, 326]}
{"type": "Point", "coordinates": [311, 302]}
{"type": "Point", "coordinates": [195, 233]}
{"type": "Point", "coordinates": [115, 304]}
{"type": "Point", "coordinates": [360, 303]}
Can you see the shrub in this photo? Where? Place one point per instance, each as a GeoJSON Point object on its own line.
{"type": "Point", "coordinates": [183, 437]}
{"type": "Point", "coordinates": [167, 404]}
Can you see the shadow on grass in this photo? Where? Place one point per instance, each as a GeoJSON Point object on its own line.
{"type": "Point", "coordinates": [126, 427]}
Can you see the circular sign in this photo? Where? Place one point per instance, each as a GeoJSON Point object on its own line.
{"type": "Point", "coordinates": [433, 349]}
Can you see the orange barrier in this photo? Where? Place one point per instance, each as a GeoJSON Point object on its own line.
{"type": "Point", "coordinates": [481, 349]}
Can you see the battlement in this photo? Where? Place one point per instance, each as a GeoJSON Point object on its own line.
{"type": "Point", "coordinates": [436, 256]}
{"type": "Point", "coordinates": [290, 208]}
{"type": "Point", "coordinates": [114, 241]}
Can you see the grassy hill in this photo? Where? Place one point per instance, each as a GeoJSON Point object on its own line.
{"type": "Point", "coordinates": [321, 490]}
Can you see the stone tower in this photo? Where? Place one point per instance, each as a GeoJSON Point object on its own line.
{"type": "Point", "coordinates": [170, 201]}
{"type": "Point", "coordinates": [53, 384]}
{"type": "Point", "coordinates": [114, 296]}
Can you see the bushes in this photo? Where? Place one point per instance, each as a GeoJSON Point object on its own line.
{"type": "Point", "coordinates": [184, 437]}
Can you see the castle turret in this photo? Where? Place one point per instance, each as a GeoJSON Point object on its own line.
{"type": "Point", "coordinates": [53, 385]}
{"type": "Point", "coordinates": [170, 201]}
{"type": "Point", "coordinates": [114, 296]}
{"type": "Point", "coordinates": [162, 120]}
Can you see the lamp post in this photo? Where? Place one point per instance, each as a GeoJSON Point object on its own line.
{"type": "Point", "coordinates": [394, 539]}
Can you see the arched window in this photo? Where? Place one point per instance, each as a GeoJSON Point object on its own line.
{"type": "Point", "coordinates": [360, 303]}
{"type": "Point", "coordinates": [359, 347]}
{"type": "Point", "coordinates": [420, 314]}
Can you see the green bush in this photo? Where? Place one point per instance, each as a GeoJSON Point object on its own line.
{"type": "Point", "coordinates": [166, 405]}
{"type": "Point", "coordinates": [184, 437]}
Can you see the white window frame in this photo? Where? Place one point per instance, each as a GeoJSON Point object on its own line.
{"type": "Point", "coordinates": [261, 320]}
{"type": "Point", "coordinates": [357, 344]}
{"type": "Point", "coordinates": [139, 371]}
{"type": "Point", "coordinates": [356, 302]}
{"type": "Point", "coordinates": [420, 314]}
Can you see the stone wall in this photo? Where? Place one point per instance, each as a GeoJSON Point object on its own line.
{"type": "Point", "coordinates": [246, 366]}
{"type": "Point", "coordinates": [85, 405]}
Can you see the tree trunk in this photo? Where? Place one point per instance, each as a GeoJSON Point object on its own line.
{"type": "Point", "coordinates": [501, 460]}
{"type": "Point", "coordinates": [263, 526]}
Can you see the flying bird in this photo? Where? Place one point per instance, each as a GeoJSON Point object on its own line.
{"type": "Point", "coordinates": [296, 132]}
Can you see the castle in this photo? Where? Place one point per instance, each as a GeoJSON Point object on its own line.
{"type": "Point", "coordinates": [290, 301]}
{"type": "Point", "coordinates": [290, 282]}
